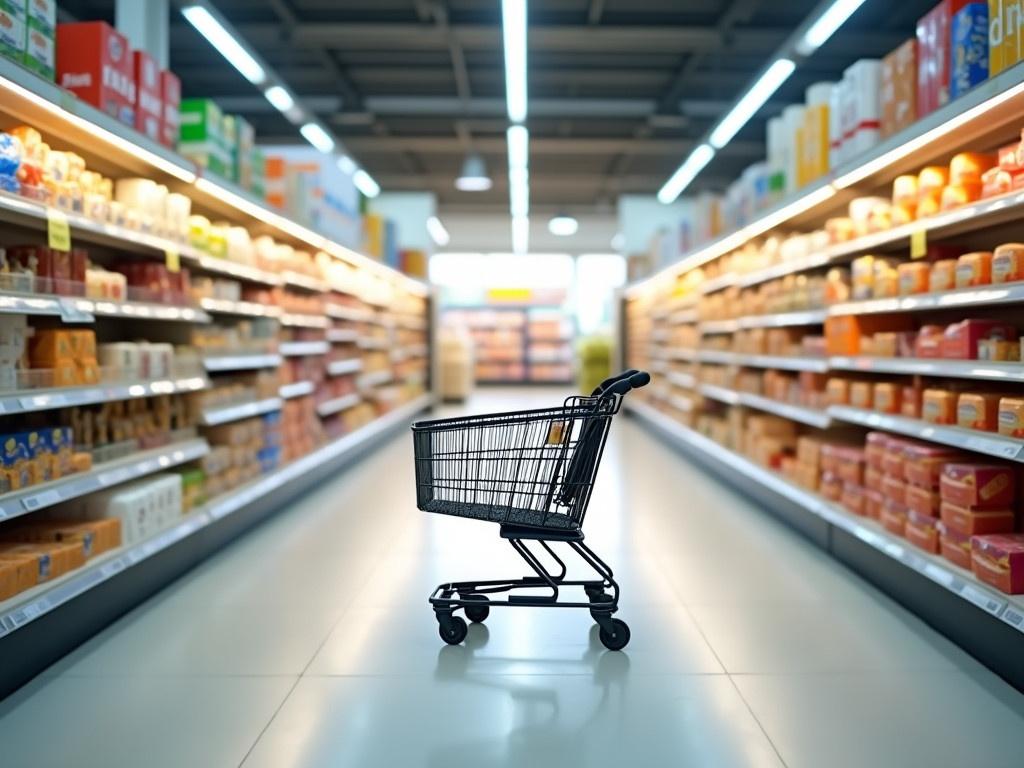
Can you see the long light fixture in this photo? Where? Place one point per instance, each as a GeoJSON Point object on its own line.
{"type": "Point", "coordinates": [318, 137]}
{"type": "Point", "coordinates": [437, 231]}
{"type": "Point", "coordinates": [518, 139]}
{"type": "Point", "coordinates": [364, 183]}
{"type": "Point", "coordinates": [826, 25]}
{"type": "Point", "coordinates": [283, 102]}
{"type": "Point", "coordinates": [752, 101]}
{"type": "Point", "coordinates": [225, 43]}
{"type": "Point", "coordinates": [520, 234]}
{"type": "Point", "coordinates": [686, 173]}
{"type": "Point", "coordinates": [513, 26]}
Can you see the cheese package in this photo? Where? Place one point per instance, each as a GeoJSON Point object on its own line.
{"type": "Point", "coordinates": [923, 501]}
{"type": "Point", "coordinates": [978, 410]}
{"type": "Point", "coordinates": [873, 479]}
{"type": "Point", "coordinates": [914, 277]}
{"type": "Point", "coordinates": [887, 397]}
{"type": "Point", "coordinates": [973, 522]}
{"type": "Point", "coordinates": [1008, 263]}
{"type": "Point", "coordinates": [973, 269]}
{"type": "Point", "coordinates": [852, 498]}
{"type": "Point", "coordinates": [1011, 416]}
{"type": "Point", "coordinates": [910, 401]}
{"type": "Point", "coordinates": [955, 546]}
{"type": "Point", "coordinates": [976, 485]}
{"type": "Point", "coordinates": [861, 394]}
{"type": "Point", "coordinates": [966, 168]}
{"type": "Point", "coordinates": [844, 333]}
{"type": "Point", "coordinates": [922, 531]}
{"type": "Point", "coordinates": [893, 517]}
{"type": "Point", "coordinates": [956, 195]}
{"type": "Point", "coordinates": [942, 276]}
{"type": "Point", "coordinates": [999, 560]}
{"type": "Point", "coordinates": [899, 88]}
{"type": "Point", "coordinates": [875, 446]}
{"type": "Point", "coordinates": [831, 486]}
{"type": "Point", "coordinates": [934, 38]}
{"type": "Point", "coordinates": [938, 406]}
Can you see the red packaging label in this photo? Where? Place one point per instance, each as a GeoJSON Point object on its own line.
{"type": "Point", "coordinates": [170, 97]}
{"type": "Point", "coordinates": [93, 62]}
{"type": "Point", "coordinates": [990, 486]}
{"type": "Point", "coordinates": [148, 104]}
{"type": "Point", "coordinates": [999, 560]}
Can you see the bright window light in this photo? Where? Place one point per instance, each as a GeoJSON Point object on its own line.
{"type": "Point", "coordinates": [437, 231]}
{"type": "Point", "coordinates": [513, 26]}
{"type": "Point", "coordinates": [826, 25]}
{"type": "Point", "coordinates": [519, 191]}
{"type": "Point", "coordinates": [518, 139]}
{"type": "Point", "coordinates": [347, 165]}
{"type": "Point", "coordinates": [364, 183]}
{"type": "Point", "coordinates": [318, 137]}
{"type": "Point", "coordinates": [520, 234]}
{"type": "Point", "coordinates": [225, 43]}
{"type": "Point", "coordinates": [752, 101]}
{"type": "Point", "coordinates": [686, 173]}
{"type": "Point", "coordinates": [279, 98]}
{"type": "Point", "coordinates": [563, 226]}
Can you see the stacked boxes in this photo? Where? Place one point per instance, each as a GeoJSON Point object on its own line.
{"type": "Point", "coordinates": [976, 499]}
{"type": "Point", "coordinates": [12, 29]}
{"type": "Point", "coordinates": [244, 148]}
{"type": "Point", "coordinates": [94, 63]}
{"type": "Point", "coordinates": [899, 88]}
{"type": "Point", "coordinates": [148, 101]}
{"type": "Point", "coordinates": [69, 355]}
{"type": "Point", "coordinates": [170, 102]}
{"type": "Point", "coordinates": [969, 46]}
{"type": "Point", "coordinates": [35, 456]}
{"type": "Point", "coordinates": [934, 39]}
{"type": "Point", "coordinates": [202, 136]}
{"type": "Point", "coordinates": [40, 37]}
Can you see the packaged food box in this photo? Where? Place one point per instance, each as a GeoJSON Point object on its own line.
{"type": "Point", "coordinates": [887, 397]}
{"type": "Point", "coordinates": [1008, 263]}
{"type": "Point", "coordinates": [862, 394]}
{"type": "Point", "coordinates": [938, 406]}
{"type": "Point", "coordinates": [873, 479]}
{"type": "Point", "coordinates": [973, 269]}
{"type": "Point", "coordinates": [12, 30]}
{"type": "Point", "coordinates": [852, 498]}
{"type": "Point", "coordinates": [148, 102]}
{"type": "Point", "coordinates": [914, 277]}
{"type": "Point", "coordinates": [808, 450]}
{"type": "Point", "coordinates": [942, 276]}
{"type": "Point", "coordinates": [997, 350]}
{"type": "Point", "coordinates": [894, 458]}
{"type": "Point", "coordinates": [831, 487]}
{"type": "Point", "coordinates": [873, 501]}
{"type": "Point", "coordinates": [893, 517]}
{"type": "Point", "coordinates": [929, 341]}
{"type": "Point", "coordinates": [978, 410]}
{"type": "Point", "coordinates": [94, 63]}
{"type": "Point", "coordinates": [999, 560]}
{"type": "Point", "coordinates": [960, 340]}
{"type": "Point", "coordinates": [1011, 416]}
{"type": "Point", "coordinates": [40, 37]}
{"type": "Point", "coordinates": [170, 101]}
{"type": "Point", "coordinates": [837, 391]}
{"type": "Point", "coordinates": [910, 401]}
{"type": "Point", "coordinates": [922, 531]}
{"type": "Point", "coordinates": [875, 446]}
{"type": "Point", "coordinates": [969, 46]}
{"type": "Point", "coordinates": [923, 463]}
{"type": "Point", "coordinates": [894, 488]}
{"type": "Point", "coordinates": [974, 522]}
{"type": "Point", "coordinates": [843, 333]}
{"type": "Point", "coordinates": [934, 39]}
{"type": "Point", "coordinates": [899, 88]}
{"type": "Point", "coordinates": [955, 546]}
{"type": "Point", "coordinates": [977, 485]}
{"type": "Point", "coordinates": [923, 501]}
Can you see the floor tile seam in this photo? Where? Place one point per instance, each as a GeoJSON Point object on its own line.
{"type": "Point", "coordinates": [408, 675]}
{"type": "Point", "coordinates": [270, 720]}
{"type": "Point", "coordinates": [757, 720]}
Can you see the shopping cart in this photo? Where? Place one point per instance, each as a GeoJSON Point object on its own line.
{"type": "Point", "coordinates": [532, 472]}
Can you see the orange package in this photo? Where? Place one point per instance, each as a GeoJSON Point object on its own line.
{"type": "Point", "coordinates": [973, 522]}
{"type": "Point", "coordinates": [968, 167]}
{"type": "Point", "coordinates": [873, 479]}
{"type": "Point", "coordinates": [873, 501]}
{"type": "Point", "coordinates": [924, 462]}
{"type": "Point", "coordinates": [852, 498]}
{"type": "Point", "coordinates": [1008, 263]}
{"type": "Point", "coordinates": [914, 277]}
{"type": "Point", "coordinates": [922, 531]}
{"type": "Point", "coordinates": [938, 406]}
{"type": "Point", "coordinates": [973, 269]}
{"type": "Point", "coordinates": [50, 347]}
{"type": "Point", "coordinates": [978, 410]}
{"type": "Point", "coordinates": [999, 560]}
{"type": "Point", "coordinates": [895, 489]}
{"type": "Point", "coordinates": [943, 276]}
{"type": "Point", "coordinates": [931, 180]}
{"type": "Point", "coordinates": [843, 333]}
{"type": "Point", "coordinates": [1011, 416]}
{"type": "Point", "coordinates": [893, 517]}
{"type": "Point", "coordinates": [957, 195]}
{"type": "Point", "coordinates": [910, 401]}
{"type": "Point", "coordinates": [979, 485]}
{"type": "Point", "coordinates": [887, 397]}
{"type": "Point", "coordinates": [955, 546]}
{"type": "Point", "coordinates": [923, 501]}
{"type": "Point", "coordinates": [875, 446]}
{"type": "Point", "coordinates": [861, 394]}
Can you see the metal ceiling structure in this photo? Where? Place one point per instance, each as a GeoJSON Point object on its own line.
{"type": "Point", "coordinates": [620, 90]}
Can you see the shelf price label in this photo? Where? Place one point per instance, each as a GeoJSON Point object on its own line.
{"type": "Point", "coordinates": [172, 259]}
{"type": "Point", "coordinates": [58, 231]}
{"type": "Point", "coordinates": [919, 243]}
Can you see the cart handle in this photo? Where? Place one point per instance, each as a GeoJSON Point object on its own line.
{"type": "Point", "coordinates": [623, 383]}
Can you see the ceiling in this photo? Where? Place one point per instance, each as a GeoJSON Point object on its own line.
{"type": "Point", "coordinates": [619, 89]}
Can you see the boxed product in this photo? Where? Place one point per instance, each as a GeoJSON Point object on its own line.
{"type": "Point", "coordinates": [977, 485]}
{"type": "Point", "coordinates": [899, 88]}
{"type": "Point", "coordinates": [148, 102]}
{"type": "Point", "coordinates": [999, 560]}
{"type": "Point", "coordinates": [17, 574]}
{"type": "Point", "coordinates": [844, 333]}
{"type": "Point", "coordinates": [873, 479]}
{"type": "Point", "coordinates": [969, 46]}
{"type": "Point", "coordinates": [938, 406]}
{"type": "Point", "coordinates": [170, 101]}
{"type": "Point", "coordinates": [41, 31]}
{"type": "Point", "coordinates": [12, 30]}
{"type": "Point", "coordinates": [875, 446]}
{"type": "Point", "coordinates": [893, 517]}
{"type": "Point", "coordinates": [894, 488]}
{"type": "Point", "coordinates": [924, 462]}
{"type": "Point", "coordinates": [978, 410]}
{"type": "Point", "coordinates": [923, 501]}
{"type": "Point", "coordinates": [887, 397]}
{"type": "Point", "coordinates": [976, 521]}
{"type": "Point", "coordinates": [960, 340]}
{"type": "Point", "coordinates": [934, 39]}
{"type": "Point", "coordinates": [1008, 263]}
{"type": "Point", "coordinates": [973, 269]}
{"type": "Point", "coordinates": [202, 136]}
{"type": "Point", "coordinates": [245, 143]}
{"type": "Point", "coordinates": [1005, 46]}
{"type": "Point", "coordinates": [955, 546]}
{"type": "Point", "coordinates": [922, 531]}
{"type": "Point", "coordinates": [1011, 416]}
{"type": "Point", "coordinates": [94, 63]}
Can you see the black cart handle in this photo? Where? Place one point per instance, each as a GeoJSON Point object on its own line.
{"type": "Point", "coordinates": [623, 383]}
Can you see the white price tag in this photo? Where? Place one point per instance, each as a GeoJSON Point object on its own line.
{"type": "Point", "coordinates": [70, 312]}
{"type": "Point", "coordinates": [44, 499]}
{"type": "Point", "coordinates": [982, 600]}
{"type": "Point", "coordinates": [1013, 617]}
{"type": "Point", "coordinates": [992, 447]}
{"type": "Point", "coordinates": [938, 574]}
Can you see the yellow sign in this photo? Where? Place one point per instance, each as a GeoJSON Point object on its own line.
{"type": "Point", "coordinates": [510, 295]}
{"type": "Point", "coordinates": [173, 260]}
{"type": "Point", "coordinates": [58, 232]}
{"type": "Point", "coordinates": [919, 243]}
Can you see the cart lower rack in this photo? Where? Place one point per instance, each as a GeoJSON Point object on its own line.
{"type": "Point", "coordinates": [532, 472]}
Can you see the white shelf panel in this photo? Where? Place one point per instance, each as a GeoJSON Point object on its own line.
{"type": "Point", "coordinates": [718, 283]}
{"type": "Point", "coordinates": [354, 314]}
{"type": "Point", "coordinates": [785, 319]}
{"type": "Point", "coordinates": [342, 335]}
{"type": "Point", "coordinates": [219, 363]}
{"type": "Point", "coordinates": [341, 367]}
{"type": "Point", "coordinates": [239, 308]}
{"type": "Point", "coordinates": [1008, 608]}
{"type": "Point", "coordinates": [131, 310]}
{"type": "Point", "coordinates": [28, 606]}
{"type": "Point", "coordinates": [956, 369]}
{"type": "Point", "coordinates": [303, 348]}
{"type": "Point", "coordinates": [815, 365]}
{"type": "Point", "coordinates": [244, 272]}
{"type": "Point", "coordinates": [296, 320]}
{"type": "Point", "coordinates": [229, 413]}
{"type": "Point", "coordinates": [373, 379]}
{"type": "Point", "coordinates": [717, 356]}
{"type": "Point", "coordinates": [338, 404]}
{"type": "Point", "coordinates": [26, 304]}
{"type": "Point", "coordinates": [922, 302]}
{"type": "Point", "coordinates": [304, 282]}
{"type": "Point", "coordinates": [45, 399]}
{"type": "Point", "coordinates": [718, 326]}
{"type": "Point", "coordinates": [808, 416]}
{"type": "Point", "coordinates": [988, 443]}
{"type": "Point", "coordinates": [680, 379]}
{"type": "Point", "coordinates": [297, 389]}
{"type": "Point", "coordinates": [721, 394]}
{"type": "Point", "coordinates": [101, 476]}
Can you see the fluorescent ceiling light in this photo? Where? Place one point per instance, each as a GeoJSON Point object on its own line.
{"type": "Point", "coordinates": [318, 137]}
{"type": "Point", "coordinates": [686, 172]}
{"type": "Point", "coordinates": [618, 242]}
{"type": "Point", "coordinates": [826, 25]}
{"type": "Point", "coordinates": [563, 226]}
{"type": "Point", "coordinates": [519, 191]}
{"type": "Point", "coordinates": [347, 165]}
{"type": "Point", "coordinates": [520, 234]}
{"type": "Point", "coordinates": [437, 231]}
{"type": "Point", "coordinates": [518, 139]}
{"type": "Point", "coordinates": [752, 101]}
{"type": "Point", "coordinates": [279, 98]}
{"type": "Point", "coordinates": [364, 183]}
{"type": "Point", "coordinates": [225, 43]}
{"type": "Point", "coordinates": [473, 177]}
{"type": "Point", "coordinates": [513, 27]}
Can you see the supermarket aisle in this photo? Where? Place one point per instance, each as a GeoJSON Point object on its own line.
{"type": "Point", "coordinates": [310, 643]}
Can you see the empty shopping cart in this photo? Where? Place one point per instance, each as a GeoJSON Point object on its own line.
{"type": "Point", "coordinates": [532, 472]}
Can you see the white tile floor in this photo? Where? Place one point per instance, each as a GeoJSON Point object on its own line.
{"type": "Point", "coordinates": [310, 643]}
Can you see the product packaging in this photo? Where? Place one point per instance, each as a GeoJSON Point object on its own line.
{"type": "Point", "coordinates": [899, 88]}
{"type": "Point", "coordinates": [1011, 416]}
{"type": "Point", "coordinates": [12, 29]}
{"type": "Point", "coordinates": [955, 546]}
{"type": "Point", "coordinates": [978, 410]}
{"type": "Point", "coordinates": [934, 39]}
{"type": "Point", "coordinates": [922, 531]}
{"type": "Point", "coordinates": [94, 63]}
{"type": "Point", "coordinates": [969, 46]}
{"type": "Point", "coordinates": [40, 37]}
{"type": "Point", "coordinates": [170, 101]}
{"type": "Point", "coordinates": [148, 102]}
{"type": "Point", "coordinates": [973, 522]}
{"type": "Point", "coordinates": [893, 517]}
{"type": "Point", "coordinates": [1008, 263]}
{"type": "Point", "coordinates": [999, 560]}
{"type": "Point", "coordinates": [975, 485]}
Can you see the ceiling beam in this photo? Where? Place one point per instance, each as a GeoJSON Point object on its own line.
{"type": "Point", "coordinates": [594, 11]}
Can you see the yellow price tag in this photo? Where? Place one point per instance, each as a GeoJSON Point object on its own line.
{"type": "Point", "coordinates": [173, 260]}
{"type": "Point", "coordinates": [919, 243]}
{"type": "Point", "coordinates": [58, 232]}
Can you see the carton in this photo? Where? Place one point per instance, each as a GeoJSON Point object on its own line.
{"type": "Point", "coordinates": [12, 29]}
{"type": "Point", "coordinates": [999, 560]}
{"type": "Point", "coordinates": [978, 410]}
{"type": "Point", "coordinates": [973, 521]}
{"type": "Point", "coordinates": [40, 33]}
{"type": "Point", "coordinates": [899, 88]}
{"type": "Point", "coordinates": [148, 101]}
{"type": "Point", "coordinates": [969, 46]}
{"type": "Point", "coordinates": [978, 486]}
{"type": "Point", "coordinates": [893, 517]}
{"type": "Point", "coordinates": [1004, 31]}
{"type": "Point", "coordinates": [94, 63]}
{"type": "Point", "coordinates": [934, 39]}
{"type": "Point", "coordinates": [922, 531]}
{"type": "Point", "coordinates": [955, 546]}
{"type": "Point", "coordinates": [924, 501]}
{"type": "Point", "coordinates": [170, 101]}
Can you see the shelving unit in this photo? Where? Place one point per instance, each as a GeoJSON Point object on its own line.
{"type": "Point", "coordinates": [241, 362]}
{"type": "Point", "coordinates": [46, 399]}
{"type": "Point", "coordinates": [229, 413]}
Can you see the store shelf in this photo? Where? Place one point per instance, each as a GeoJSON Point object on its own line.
{"type": "Point", "coordinates": [218, 363]}
{"type": "Point", "coordinates": [303, 348]}
{"type": "Point", "coordinates": [955, 369]}
{"type": "Point", "coordinates": [239, 308]}
{"type": "Point", "coordinates": [131, 310]}
{"type": "Point", "coordinates": [1009, 293]}
{"type": "Point", "coordinates": [338, 404]}
{"type": "Point", "coordinates": [763, 275]}
{"type": "Point", "coordinates": [370, 342]}
{"type": "Point", "coordinates": [689, 355]}
{"type": "Point", "coordinates": [101, 476]}
{"type": "Point", "coordinates": [785, 319]}
{"type": "Point", "coordinates": [24, 608]}
{"type": "Point", "coordinates": [718, 326]}
{"type": "Point", "coordinates": [717, 356]}
{"type": "Point", "coordinates": [342, 335]}
{"type": "Point", "coordinates": [718, 283]}
{"type": "Point", "coordinates": [680, 403]}
{"type": "Point", "coordinates": [963, 584]}
{"type": "Point", "coordinates": [988, 443]}
{"type": "Point", "coordinates": [304, 282]}
{"type": "Point", "coordinates": [34, 304]}
{"type": "Point", "coordinates": [353, 314]}
{"type": "Point", "coordinates": [341, 367]}
{"type": "Point", "coordinates": [808, 416]}
{"type": "Point", "coordinates": [373, 379]}
{"type": "Point", "coordinates": [244, 272]}
{"type": "Point", "coordinates": [296, 389]}
{"type": "Point", "coordinates": [229, 413]}
{"type": "Point", "coordinates": [721, 394]}
{"type": "Point", "coordinates": [815, 365]}
{"type": "Point", "coordinates": [296, 320]}
{"type": "Point", "coordinates": [28, 401]}
{"type": "Point", "coordinates": [680, 379]}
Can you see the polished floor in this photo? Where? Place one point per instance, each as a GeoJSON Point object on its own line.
{"type": "Point", "coordinates": [309, 642]}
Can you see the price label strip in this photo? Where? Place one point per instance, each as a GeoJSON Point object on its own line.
{"type": "Point", "coordinates": [58, 231]}
{"type": "Point", "coordinates": [919, 243]}
{"type": "Point", "coordinates": [173, 260]}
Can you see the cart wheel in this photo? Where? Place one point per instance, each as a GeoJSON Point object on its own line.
{"type": "Point", "coordinates": [456, 631]}
{"type": "Point", "coordinates": [618, 640]}
{"type": "Point", "coordinates": [477, 613]}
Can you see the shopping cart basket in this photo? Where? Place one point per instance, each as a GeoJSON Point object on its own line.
{"type": "Point", "coordinates": [532, 472]}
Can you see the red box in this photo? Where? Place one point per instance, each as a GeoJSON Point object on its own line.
{"type": "Point", "coordinates": [853, 499]}
{"type": "Point", "coordinates": [94, 63]}
{"type": "Point", "coordinates": [893, 517]}
{"type": "Point", "coordinates": [873, 479]}
{"type": "Point", "coordinates": [170, 98]}
{"type": "Point", "coordinates": [894, 488]}
{"type": "Point", "coordinates": [986, 486]}
{"type": "Point", "coordinates": [960, 341]}
{"type": "Point", "coordinates": [923, 464]}
{"type": "Point", "coordinates": [923, 501]}
{"type": "Point", "coordinates": [873, 501]}
{"type": "Point", "coordinates": [922, 531]}
{"type": "Point", "coordinates": [149, 107]}
{"type": "Point", "coordinates": [973, 522]}
{"type": "Point", "coordinates": [955, 546]}
{"type": "Point", "coordinates": [934, 40]}
{"type": "Point", "coordinates": [999, 560]}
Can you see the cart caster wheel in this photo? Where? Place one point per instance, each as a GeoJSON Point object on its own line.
{"type": "Point", "coordinates": [618, 640]}
{"type": "Point", "coordinates": [598, 597]}
{"type": "Point", "coordinates": [457, 630]}
{"type": "Point", "coordinates": [477, 613]}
